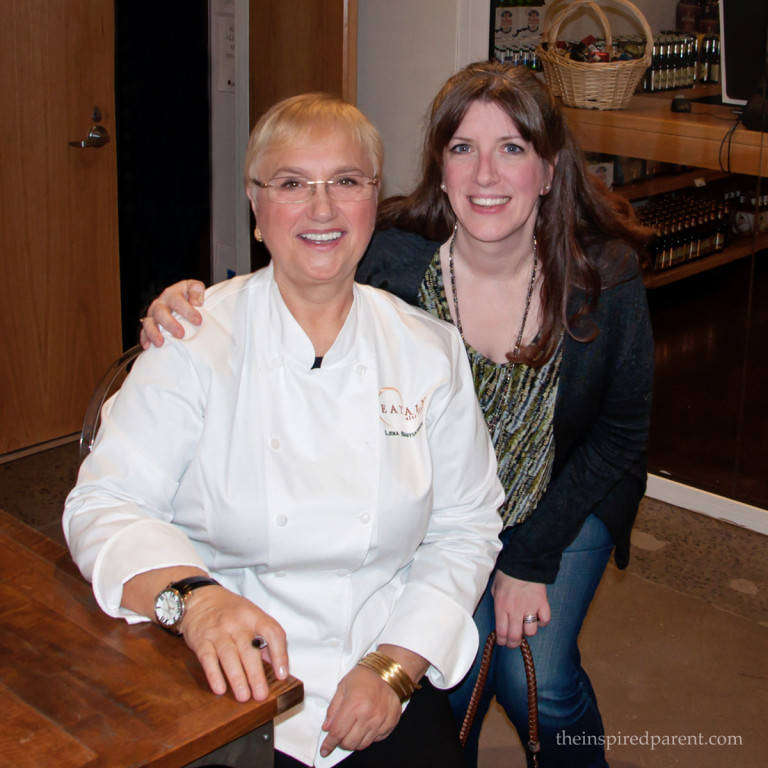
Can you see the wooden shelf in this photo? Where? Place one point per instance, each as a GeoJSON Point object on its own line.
{"type": "Point", "coordinates": [648, 129]}
{"type": "Point", "coordinates": [702, 139]}
{"type": "Point", "coordinates": [737, 249]}
{"type": "Point", "coordinates": [697, 91]}
{"type": "Point", "coordinates": [663, 183]}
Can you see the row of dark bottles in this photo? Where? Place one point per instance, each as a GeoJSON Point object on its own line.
{"type": "Point", "coordinates": [521, 56]}
{"type": "Point", "coordinates": [686, 229]}
{"type": "Point", "coordinates": [695, 223]}
{"type": "Point", "coordinates": [680, 60]}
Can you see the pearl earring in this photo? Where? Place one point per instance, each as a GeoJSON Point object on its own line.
{"type": "Point", "coordinates": [257, 234]}
{"type": "Point", "coordinates": [443, 187]}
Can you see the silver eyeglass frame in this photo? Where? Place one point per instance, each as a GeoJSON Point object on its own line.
{"type": "Point", "coordinates": [372, 181]}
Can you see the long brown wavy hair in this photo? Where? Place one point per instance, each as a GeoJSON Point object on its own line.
{"type": "Point", "coordinates": [585, 232]}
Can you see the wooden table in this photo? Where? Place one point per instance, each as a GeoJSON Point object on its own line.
{"type": "Point", "coordinates": [78, 688]}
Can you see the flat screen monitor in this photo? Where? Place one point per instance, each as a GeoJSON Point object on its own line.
{"type": "Point", "coordinates": [743, 31]}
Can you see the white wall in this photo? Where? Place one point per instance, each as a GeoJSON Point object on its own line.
{"type": "Point", "coordinates": [407, 49]}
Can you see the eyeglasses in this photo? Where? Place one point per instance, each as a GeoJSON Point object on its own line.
{"type": "Point", "coordinates": [344, 188]}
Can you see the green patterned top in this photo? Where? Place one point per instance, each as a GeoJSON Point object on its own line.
{"type": "Point", "coordinates": [518, 403]}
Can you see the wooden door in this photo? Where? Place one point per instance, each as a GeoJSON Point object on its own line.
{"type": "Point", "coordinates": [301, 47]}
{"type": "Point", "coordinates": [60, 308]}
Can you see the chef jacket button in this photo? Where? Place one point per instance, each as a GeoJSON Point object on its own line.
{"type": "Point", "coordinates": [341, 574]}
{"type": "Point", "coordinates": [276, 362]}
{"type": "Point", "coordinates": [274, 444]}
{"type": "Point", "coordinates": [281, 520]}
{"type": "Point", "coordinates": [361, 369]}
{"type": "Point", "coordinates": [364, 518]}
{"type": "Point", "coordinates": [280, 574]}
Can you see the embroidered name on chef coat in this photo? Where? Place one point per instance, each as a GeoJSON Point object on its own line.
{"type": "Point", "coordinates": [399, 418]}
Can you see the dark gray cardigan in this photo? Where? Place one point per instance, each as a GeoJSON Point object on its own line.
{"type": "Point", "coordinates": [601, 415]}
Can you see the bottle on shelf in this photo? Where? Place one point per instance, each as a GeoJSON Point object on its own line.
{"type": "Point", "coordinates": [708, 231]}
{"type": "Point", "coordinates": [702, 75]}
{"type": "Point", "coordinates": [675, 60]}
{"type": "Point", "coordinates": [663, 68]}
{"type": "Point", "coordinates": [651, 79]}
{"type": "Point", "coordinates": [714, 60]}
{"type": "Point", "coordinates": [721, 228]}
{"type": "Point", "coordinates": [691, 56]}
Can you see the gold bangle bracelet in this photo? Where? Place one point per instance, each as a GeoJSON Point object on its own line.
{"type": "Point", "coordinates": [391, 673]}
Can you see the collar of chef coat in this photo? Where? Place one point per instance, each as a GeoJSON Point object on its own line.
{"type": "Point", "coordinates": [292, 342]}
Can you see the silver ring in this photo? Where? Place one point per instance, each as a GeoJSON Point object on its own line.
{"type": "Point", "coordinates": [530, 618]}
{"type": "Point", "coordinates": [259, 642]}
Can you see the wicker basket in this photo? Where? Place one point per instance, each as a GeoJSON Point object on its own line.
{"type": "Point", "coordinates": [593, 85]}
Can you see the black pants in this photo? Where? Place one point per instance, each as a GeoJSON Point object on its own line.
{"type": "Point", "coordinates": [426, 735]}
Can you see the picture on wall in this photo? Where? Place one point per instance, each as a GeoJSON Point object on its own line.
{"type": "Point", "coordinates": [516, 28]}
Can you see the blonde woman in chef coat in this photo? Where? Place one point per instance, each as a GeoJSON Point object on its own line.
{"type": "Point", "coordinates": [309, 466]}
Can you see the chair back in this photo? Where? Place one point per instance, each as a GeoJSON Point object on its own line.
{"type": "Point", "coordinates": [109, 383]}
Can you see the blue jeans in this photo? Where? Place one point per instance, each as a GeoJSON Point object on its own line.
{"type": "Point", "coordinates": [567, 703]}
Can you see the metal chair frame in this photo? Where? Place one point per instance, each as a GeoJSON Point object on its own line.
{"type": "Point", "coordinates": [104, 389]}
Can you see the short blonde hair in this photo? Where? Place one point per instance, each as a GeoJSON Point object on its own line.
{"type": "Point", "coordinates": [285, 121]}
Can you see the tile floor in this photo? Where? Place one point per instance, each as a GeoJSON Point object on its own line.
{"type": "Point", "coordinates": [677, 645]}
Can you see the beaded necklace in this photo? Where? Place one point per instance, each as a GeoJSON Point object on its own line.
{"type": "Point", "coordinates": [528, 296]}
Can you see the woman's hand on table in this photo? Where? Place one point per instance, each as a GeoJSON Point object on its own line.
{"type": "Point", "coordinates": [364, 708]}
{"type": "Point", "coordinates": [219, 626]}
{"type": "Point", "coordinates": [513, 600]}
{"type": "Point", "coordinates": [182, 298]}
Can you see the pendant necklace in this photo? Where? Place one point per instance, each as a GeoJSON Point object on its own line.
{"type": "Point", "coordinates": [528, 297]}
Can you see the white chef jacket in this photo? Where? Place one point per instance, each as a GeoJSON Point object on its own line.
{"type": "Point", "coordinates": [356, 503]}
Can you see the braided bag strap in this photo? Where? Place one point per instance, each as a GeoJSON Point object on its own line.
{"type": "Point", "coordinates": [533, 698]}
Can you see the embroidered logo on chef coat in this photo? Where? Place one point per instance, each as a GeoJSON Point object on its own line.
{"type": "Point", "coordinates": [400, 419]}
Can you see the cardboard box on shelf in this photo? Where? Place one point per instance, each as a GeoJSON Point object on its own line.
{"type": "Point", "coordinates": [604, 171]}
{"type": "Point", "coordinates": [516, 27]}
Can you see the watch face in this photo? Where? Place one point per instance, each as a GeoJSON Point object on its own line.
{"type": "Point", "coordinates": [169, 607]}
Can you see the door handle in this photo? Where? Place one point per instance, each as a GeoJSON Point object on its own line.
{"type": "Point", "coordinates": [97, 137]}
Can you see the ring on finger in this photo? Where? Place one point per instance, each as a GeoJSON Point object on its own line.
{"type": "Point", "coordinates": [259, 642]}
{"type": "Point", "coordinates": [530, 618]}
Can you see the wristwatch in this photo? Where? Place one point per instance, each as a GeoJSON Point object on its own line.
{"type": "Point", "coordinates": [171, 602]}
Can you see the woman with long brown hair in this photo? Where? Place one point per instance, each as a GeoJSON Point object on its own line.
{"type": "Point", "coordinates": [509, 237]}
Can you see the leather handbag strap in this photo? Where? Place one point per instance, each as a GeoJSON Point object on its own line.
{"type": "Point", "coordinates": [533, 696]}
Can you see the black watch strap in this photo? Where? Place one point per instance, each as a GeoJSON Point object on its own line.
{"type": "Point", "coordinates": [185, 586]}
